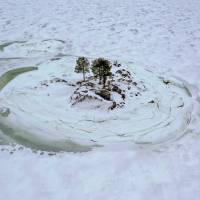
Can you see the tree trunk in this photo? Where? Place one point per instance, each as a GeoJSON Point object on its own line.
{"type": "Point", "coordinates": [99, 75]}
{"type": "Point", "coordinates": [104, 81]}
{"type": "Point", "coordinates": [100, 78]}
{"type": "Point", "coordinates": [83, 74]}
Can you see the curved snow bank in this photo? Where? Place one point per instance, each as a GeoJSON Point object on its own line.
{"type": "Point", "coordinates": [40, 115]}
{"type": "Point", "coordinates": [32, 48]}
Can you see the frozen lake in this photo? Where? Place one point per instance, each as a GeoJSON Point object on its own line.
{"type": "Point", "coordinates": [157, 35]}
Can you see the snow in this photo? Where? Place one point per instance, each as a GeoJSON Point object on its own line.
{"type": "Point", "coordinates": [40, 109]}
{"type": "Point", "coordinates": [161, 36]}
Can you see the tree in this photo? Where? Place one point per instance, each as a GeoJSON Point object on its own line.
{"type": "Point", "coordinates": [101, 68]}
{"type": "Point", "coordinates": [82, 65]}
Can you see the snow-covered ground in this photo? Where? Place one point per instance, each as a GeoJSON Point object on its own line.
{"type": "Point", "coordinates": [38, 108]}
{"type": "Point", "coordinates": [160, 35]}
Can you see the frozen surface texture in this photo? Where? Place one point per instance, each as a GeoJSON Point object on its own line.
{"type": "Point", "coordinates": [158, 35]}
{"type": "Point", "coordinates": [48, 107]}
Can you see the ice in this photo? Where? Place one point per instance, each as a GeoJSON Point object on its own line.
{"type": "Point", "coordinates": [158, 35]}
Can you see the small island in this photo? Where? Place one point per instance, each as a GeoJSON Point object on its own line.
{"type": "Point", "coordinates": [109, 83]}
{"type": "Point", "coordinates": [77, 103]}
{"type": "Point", "coordinates": [104, 84]}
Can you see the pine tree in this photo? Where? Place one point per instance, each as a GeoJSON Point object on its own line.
{"type": "Point", "coordinates": [106, 72]}
{"type": "Point", "coordinates": [101, 68]}
{"type": "Point", "coordinates": [82, 66]}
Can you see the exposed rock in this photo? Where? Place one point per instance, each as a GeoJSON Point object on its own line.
{"type": "Point", "coordinates": [166, 82]}
{"type": "Point", "coordinates": [113, 105]}
{"type": "Point", "coordinates": [152, 101]}
{"type": "Point", "coordinates": [89, 84]}
{"type": "Point", "coordinates": [56, 80]}
{"type": "Point", "coordinates": [115, 88]}
{"type": "Point", "coordinates": [124, 73]}
{"type": "Point", "coordinates": [134, 83]}
{"type": "Point", "coordinates": [116, 64]}
{"type": "Point", "coordinates": [78, 97]}
{"type": "Point", "coordinates": [105, 94]}
{"type": "Point", "coordinates": [123, 96]}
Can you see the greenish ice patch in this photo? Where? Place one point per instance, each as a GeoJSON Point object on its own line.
{"type": "Point", "coordinates": [30, 140]}
{"type": "Point", "coordinates": [6, 44]}
{"type": "Point", "coordinates": [11, 74]}
{"type": "Point", "coordinates": [6, 78]}
{"type": "Point", "coordinates": [4, 112]}
{"type": "Point", "coordinates": [9, 134]}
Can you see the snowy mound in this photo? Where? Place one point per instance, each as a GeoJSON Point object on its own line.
{"type": "Point", "coordinates": [39, 108]}
{"type": "Point", "coordinates": [120, 86]}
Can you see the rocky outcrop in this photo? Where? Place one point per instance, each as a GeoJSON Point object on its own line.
{"type": "Point", "coordinates": [105, 94]}
{"type": "Point", "coordinates": [119, 87]}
